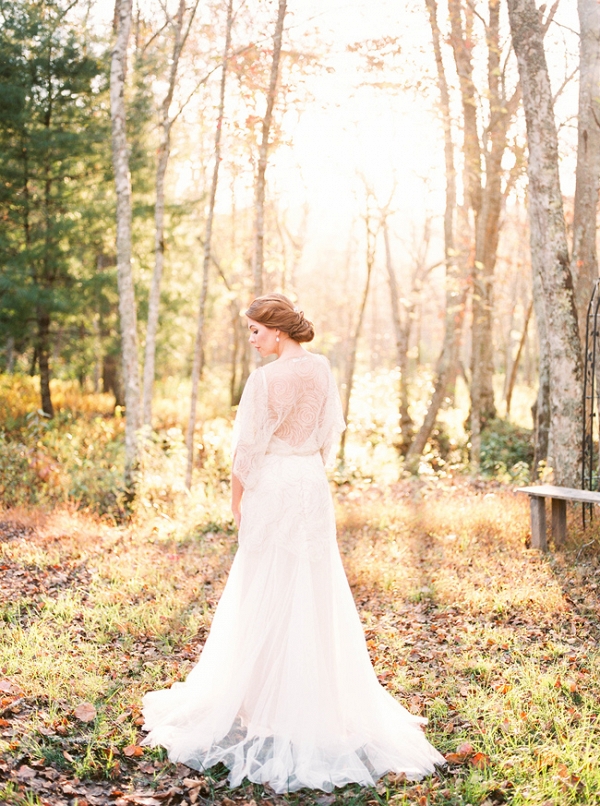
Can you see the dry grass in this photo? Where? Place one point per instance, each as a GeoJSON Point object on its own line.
{"type": "Point", "coordinates": [493, 642]}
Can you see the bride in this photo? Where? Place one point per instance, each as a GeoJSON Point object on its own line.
{"type": "Point", "coordinates": [284, 692]}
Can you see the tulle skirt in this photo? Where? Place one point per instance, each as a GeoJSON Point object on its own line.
{"type": "Point", "coordinates": [284, 692]}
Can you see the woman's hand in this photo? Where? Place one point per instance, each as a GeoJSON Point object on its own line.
{"type": "Point", "coordinates": [236, 499]}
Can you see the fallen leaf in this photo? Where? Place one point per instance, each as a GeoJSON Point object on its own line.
{"type": "Point", "coordinates": [454, 758]}
{"type": "Point", "coordinates": [133, 750]}
{"type": "Point", "coordinates": [68, 757]}
{"type": "Point", "coordinates": [85, 712]}
{"type": "Point", "coordinates": [480, 760]}
{"type": "Point", "coordinates": [25, 772]}
{"type": "Point", "coordinates": [465, 749]}
{"type": "Point", "coordinates": [8, 687]}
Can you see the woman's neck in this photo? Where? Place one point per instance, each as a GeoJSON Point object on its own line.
{"type": "Point", "coordinates": [290, 349]}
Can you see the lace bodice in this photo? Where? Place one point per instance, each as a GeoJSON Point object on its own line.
{"type": "Point", "coordinates": [290, 406]}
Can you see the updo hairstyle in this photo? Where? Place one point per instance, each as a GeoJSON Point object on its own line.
{"type": "Point", "coordinates": [277, 311]}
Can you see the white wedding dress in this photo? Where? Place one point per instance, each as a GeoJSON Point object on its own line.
{"type": "Point", "coordinates": [284, 692]}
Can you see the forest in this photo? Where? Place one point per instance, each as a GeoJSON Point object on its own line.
{"type": "Point", "coordinates": [421, 179]}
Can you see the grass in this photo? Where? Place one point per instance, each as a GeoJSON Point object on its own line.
{"type": "Point", "coordinates": [495, 643]}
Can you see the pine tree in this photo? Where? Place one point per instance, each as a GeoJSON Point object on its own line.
{"type": "Point", "coordinates": [53, 135]}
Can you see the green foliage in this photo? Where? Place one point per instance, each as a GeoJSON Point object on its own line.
{"type": "Point", "coordinates": [54, 154]}
{"type": "Point", "coordinates": [506, 451]}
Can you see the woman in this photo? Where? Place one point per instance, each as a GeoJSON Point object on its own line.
{"type": "Point", "coordinates": [284, 692]}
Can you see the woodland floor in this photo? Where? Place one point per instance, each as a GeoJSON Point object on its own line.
{"type": "Point", "coordinates": [494, 643]}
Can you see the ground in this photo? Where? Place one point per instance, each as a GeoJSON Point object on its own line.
{"type": "Point", "coordinates": [495, 643]}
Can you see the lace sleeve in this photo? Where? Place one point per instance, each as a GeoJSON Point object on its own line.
{"type": "Point", "coordinates": [252, 430]}
{"type": "Point", "coordinates": [331, 423]}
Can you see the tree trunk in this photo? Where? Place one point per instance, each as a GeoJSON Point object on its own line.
{"type": "Point", "coordinates": [112, 380]}
{"type": "Point", "coordinates": [259, 204]}
{"type": "Point", "coordinates": [43, 352]}
{"type": "Point", "coordinates": [351, 363]}
{"type": "Point", "coordinates": [198, 359]}
{"type": "Point", "coordinates": [462, 44]}
{"type": "Point", "coordinates": [515, 366]}
{"type": "Point", "coordinates": [10, 355]}
{"type": "Point", "coordinates": [127, 310]}
{"type": "Point", "coordinates": [166, 124]}
{"type": "Point", "coordinates": [549, 251]}
{"type": "Point", "coordinates": [584, 262]}
{"type": "Point", "coordinates": [456, 288]}
{"type": "Point", "coordinates": [402, 333]}
{"type": "Point", "coordinates": [487, 231]}
{"type": "Point", "coordinates": [541, 407]}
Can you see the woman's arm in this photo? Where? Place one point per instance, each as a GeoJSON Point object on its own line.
{"type": "Point", "coordinates": [236, 498]}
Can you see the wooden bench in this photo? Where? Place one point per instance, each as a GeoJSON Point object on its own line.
{"type": "Point", "coordinates": [559, 497]}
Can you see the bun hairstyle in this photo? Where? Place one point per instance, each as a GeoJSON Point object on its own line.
{"type": "Point", "coordinates": [277, 311]}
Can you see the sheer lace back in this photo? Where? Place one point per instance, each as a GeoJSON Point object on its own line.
{"type": "Point", "coordinates": [288, 407]}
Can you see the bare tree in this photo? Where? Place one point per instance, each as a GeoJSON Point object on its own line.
{"type": "Point", "coordinates": [180, 32]}
{"type": "Point", "coordinates": [263, 154]}
{"type": "Point", "coordinates": [549, 251]}
{"type": "Point", "coordinates": [371, 232]}
{"type": "Point", "coordinates": [403, 307]}
{"type": "Point", "coordinates": [456, 285]}
{"type": "Point", "coordinates": [515, 365]}
{"type": "Point", "coordinates": [483, 180]}
{"type": "Point", "coordinates": [584, 262]}
{"type": "Point", "coordinates": [198, 359]}
{"type": "Point", "coordinates": [127, 308]}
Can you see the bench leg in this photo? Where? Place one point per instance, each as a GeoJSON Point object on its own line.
{"type": "Point", "coordinates": [559, 522]}
{"type": "Point", "coordinates": [538, 523]}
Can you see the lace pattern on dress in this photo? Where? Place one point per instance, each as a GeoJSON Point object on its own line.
{"type": "Point", "coordinates": [289, 407]}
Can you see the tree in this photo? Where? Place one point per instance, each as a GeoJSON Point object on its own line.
{"type": "Point", "coordinates": [51, 157]}
{"type": "Point", "coordinates": [127, 305]}
{"type": "Point", "coordinates": [549, 251]}
{"type": "Point", "coordinates": [403, 305]}
{"type": "Point", "coordinates": [372, 224]}
{"type": "Point", "coordinates": [263, 154]}
{"type": "Point", "coordinates": [456, 285]}
{"type": "Point", "coordinates": [584, 262]}
{"type": "Point", "coordinates": [180, 29]}
{"type": "Point", "coordinates": [198, 358]}
{"type": "Point", "coordinates": [483, 182]}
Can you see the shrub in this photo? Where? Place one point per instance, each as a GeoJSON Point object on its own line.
{"type": "Point", "coordinates": [506, 451]}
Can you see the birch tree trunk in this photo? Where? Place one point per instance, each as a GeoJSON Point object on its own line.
{"type": "Point", "coordinates": [263, 154]}
{"type": "Point", "coordinates": [127, 310]}
{"type": "Point", "coordinates": [164, 148]}
{"type": "Point", "coordinates": [549, 251]}
{"type": "Point", "coordinates": [584, 262]}
{"type": "Point", "coordinates": [198, 359]}
{"type": "Point", "coordinates": [456, 286]}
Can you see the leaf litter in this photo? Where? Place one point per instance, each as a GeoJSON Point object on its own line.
{"type": "Point", "coordinates": [494, 643]}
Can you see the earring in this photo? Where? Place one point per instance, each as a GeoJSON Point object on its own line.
{"type": "Point", "coordinates": [276, 338]}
